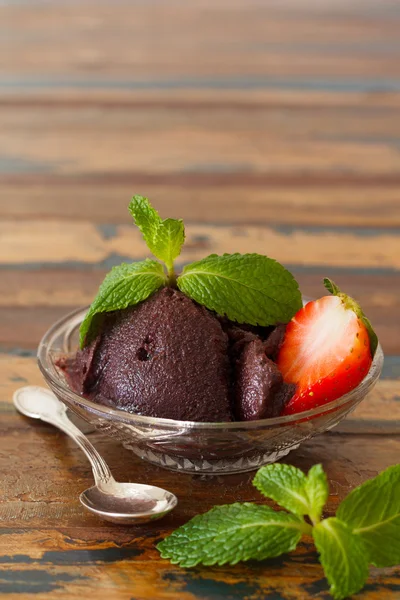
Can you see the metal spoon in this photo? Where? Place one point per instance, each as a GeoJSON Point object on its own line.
{"type": "Point", "coordinates": [133, 503]}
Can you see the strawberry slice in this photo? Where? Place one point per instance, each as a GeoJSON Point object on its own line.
{"type": "Point", "coordinates": [327, 350]}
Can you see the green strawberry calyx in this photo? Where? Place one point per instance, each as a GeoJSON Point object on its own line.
{"type": "Point", "coordinates": [351, 304]}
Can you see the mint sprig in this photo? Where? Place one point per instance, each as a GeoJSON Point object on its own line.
{"type": "Point", "coordinates": [248, 288]}
{"type": "Point", "coordinates": [125, 285]}
{"type": "Point", "coordinates": [366, 529]}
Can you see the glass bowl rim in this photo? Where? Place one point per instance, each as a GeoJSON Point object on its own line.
{"type": "Point", "coordinates": [53, 378]}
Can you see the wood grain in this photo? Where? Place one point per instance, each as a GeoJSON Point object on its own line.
{"type": "Point", "coordinates": [207, 198]}
{"type": "Point", "coordinates": [161, 140]}
{"type": "Point", "coordinates": [281, 39]}
{"type": "Point", "coordinates": [270, 127]}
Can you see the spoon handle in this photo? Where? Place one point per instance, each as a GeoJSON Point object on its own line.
{"type": "Point", "coordinates": [40, 403]}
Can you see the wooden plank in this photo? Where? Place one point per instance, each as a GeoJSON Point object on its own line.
{"type": "Point", "coordinates": [126, 579]}
{"type": "Point", "coordinates": [259, 39]}
{"type": "Point", "coordinates": [270, 141]}
{"type": "Point", "coordinates": [55, 287]}
{"type": "Point", "coordinates": [315, 120]}
{"type": "Point", "coordinates": [208, 198]}
{"type": "Point", "coordinates": [203, 98]}
{"type": "Point", "coordinates": [24, 328]}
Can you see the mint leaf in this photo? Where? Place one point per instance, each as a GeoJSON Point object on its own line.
{"type": "Point", "coordinates": [290, 488]}
{"type": "Point", "coordinates": [231, 533]}
{"type": "Point", "coordinates": [373, 512]}
{"type": "Point", "coordinates": [125, 285]}
{"type": "Point", "coordinates": [164, 238]}
{"type": "Point", "coordinates": [342, 556]}
{"type": "Point", "coordinates": [248, 288]}
{"type": "Point", "coordinates": [317, 490]}
{"type": "Point", "coordinates": [169, 240]}
{"type": "Point", "coordinates": [146, 218]}
{"type": "Point", "coordinates": [286, 485]}
{"type": "Point", "coordinates": [353, 305]}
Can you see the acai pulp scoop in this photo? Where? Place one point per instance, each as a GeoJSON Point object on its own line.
{"type": "Point", "coordinates": [170, 357]}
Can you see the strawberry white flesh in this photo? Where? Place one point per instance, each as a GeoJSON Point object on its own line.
{"type": "Point", "coordinates": [326, 353]}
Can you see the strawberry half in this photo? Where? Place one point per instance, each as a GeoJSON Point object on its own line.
{"type": "Point", "coordinates": [327, 350]}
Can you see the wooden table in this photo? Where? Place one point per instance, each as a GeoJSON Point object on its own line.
{"type": "Point", "coordinates": [268, 126]}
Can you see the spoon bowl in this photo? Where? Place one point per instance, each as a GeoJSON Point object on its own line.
{"type": "Point", "coordinates": [147, 502]}
{"type": "Point", "coordinates": [129, 503]}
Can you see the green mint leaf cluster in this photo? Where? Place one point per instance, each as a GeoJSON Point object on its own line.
{"type": "Point", "coordinates": [353, 305]}
{"type": "Point", "coordinates": [125, 285]}
{"type": "Point", "coordinates": [247, 288]}
{"type": "Point", "coordinates": [366, 529]}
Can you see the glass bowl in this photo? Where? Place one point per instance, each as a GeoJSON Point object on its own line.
{"type": "Point", "coordinates": [187, 446]}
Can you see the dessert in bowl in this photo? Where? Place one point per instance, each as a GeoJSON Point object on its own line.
{"type": "Point", "coordinates": [220, 370]}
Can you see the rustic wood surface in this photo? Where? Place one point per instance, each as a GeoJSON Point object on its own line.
{"type": "Point", "coordinates": [268, 126]}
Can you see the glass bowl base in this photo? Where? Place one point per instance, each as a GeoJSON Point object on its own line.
{"type": "Point", "coordinates": [207, 466]}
